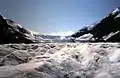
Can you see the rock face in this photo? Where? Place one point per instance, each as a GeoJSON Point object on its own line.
{"type": "Point", "coordinates": [60, 60]}
{"type": "Point", "coordinates": [11, 32]}
{"type": "Point", "coordinates": [108, 29]}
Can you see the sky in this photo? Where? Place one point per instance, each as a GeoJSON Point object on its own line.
{"type": "Point", "coordinates": [56, 17]}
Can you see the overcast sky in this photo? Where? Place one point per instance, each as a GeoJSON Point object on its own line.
{"type": "Point", "coordinates": [56, 16]}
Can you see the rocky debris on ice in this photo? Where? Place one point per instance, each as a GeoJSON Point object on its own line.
{"type": "Point", "coordinates": [60, 60]}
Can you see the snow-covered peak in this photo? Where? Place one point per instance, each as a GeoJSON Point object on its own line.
{"type": "Point", "coordinates": [116, 10]}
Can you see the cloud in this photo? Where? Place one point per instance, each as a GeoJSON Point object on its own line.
{"type": "Point", "coordinates": [62, 33]}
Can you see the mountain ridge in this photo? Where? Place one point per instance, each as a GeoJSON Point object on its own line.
{"type": "Point", "coordinates": [12, 32]}
{"type": "Point", "coordinates": [100, 29]}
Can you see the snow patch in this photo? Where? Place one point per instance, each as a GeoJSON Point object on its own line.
{"type": "Point", "coordinates": [33, 33]}
{"type": "Point", "coordinates": [117, 16]}
{"type": "Point", "coordinates": [62, 37]}
{"type": "Point", "coordinates": [85, 37]}
{"type": "Point", "coordinates": [116, 10]}
{"type": "Point", "coordinates": [19, 25]}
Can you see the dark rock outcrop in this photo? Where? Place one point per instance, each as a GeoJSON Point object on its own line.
{"type": "Point", "coordinates": [108, 29]}
{"type": "Point", "coordinates": [11, 32]}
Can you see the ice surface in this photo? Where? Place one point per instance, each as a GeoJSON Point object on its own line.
{"type": "Point", "coordinates": [60, 60]}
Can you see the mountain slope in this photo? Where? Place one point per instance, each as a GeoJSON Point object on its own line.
{"type": "Point", "coordinates": [12, 32]}
{"type": "Point", "coordinates": [105, 30]}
